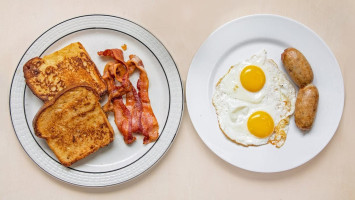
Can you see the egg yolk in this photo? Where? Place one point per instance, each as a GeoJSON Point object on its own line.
{"type": "Point", "coordinates": [252, 78]}
{"type": "Point", "coordinates": [260, 124]}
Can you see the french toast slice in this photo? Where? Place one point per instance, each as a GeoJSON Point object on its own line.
{"type": "Point", "coordinates": [73, 124]}
{"type": "Point", "coordinates": [70, 65]}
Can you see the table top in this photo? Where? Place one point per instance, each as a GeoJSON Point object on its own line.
{"type": "Point", "coordinates": [189, 170]}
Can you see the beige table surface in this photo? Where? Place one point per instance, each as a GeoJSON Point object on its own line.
{"type": "Point", "coordinates": [189, 170]}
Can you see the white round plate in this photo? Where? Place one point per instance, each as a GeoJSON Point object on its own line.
{"type": "Point", "coordinates": [240, 39]}
{"type": "Point", "coordinates": [117, 162]}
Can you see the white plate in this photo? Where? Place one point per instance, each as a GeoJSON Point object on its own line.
{"type": "Point", "coordinates": [117, 162]}
{"type": "Point", "coordinates": [237, 41]}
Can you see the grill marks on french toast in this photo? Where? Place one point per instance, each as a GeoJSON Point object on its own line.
{"type": "Point", "coordinates": [69, 66]}
{"type": "Point", "coordinates": [73, 124]}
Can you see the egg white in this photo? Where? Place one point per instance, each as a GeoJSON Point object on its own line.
{"type": "Point", "coordinates": [234, 104]}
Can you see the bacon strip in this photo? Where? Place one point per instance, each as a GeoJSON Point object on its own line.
{"type": "Point", "coordinates": [133, 102]}
{"type": "Point", "coordinates": [116, 54]}
{"type": "Point", "coordinates": [150, 126]}
{"type": "Point", "coordinates": [123, 118]}
{"type": "Point", "coordinates": [114, 91]}
{"type": "Point", "coordinates": [137, 115]}
{"type": "Point", "coordinates": [134, 105]}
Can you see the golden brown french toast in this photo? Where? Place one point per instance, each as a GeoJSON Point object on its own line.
{"type": "Point", "coordinates": [69, 66]}
{"type": "Point", "coordinates": [73, 124]}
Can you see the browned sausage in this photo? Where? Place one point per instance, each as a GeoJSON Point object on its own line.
{"type": "Point", "coordinates": [297, 67]}
{"type": "Point", "coordinates": [306, 107]}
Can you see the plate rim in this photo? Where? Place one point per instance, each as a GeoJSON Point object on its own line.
{"type": "Point", "coordinates": [179, 78]}
{"type": "Point", "coordinates": [188, 79]}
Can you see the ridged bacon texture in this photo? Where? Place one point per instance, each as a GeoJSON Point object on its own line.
{"type": "Point", "coordinates": [136, 116]}
{"type": "Point", "coordinates": [123, 119]}
{"type": "Point", "coordinates": [150, 126]}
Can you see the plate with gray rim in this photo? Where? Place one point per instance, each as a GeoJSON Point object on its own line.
{"type": "Point", "coordinates": [118, 162]}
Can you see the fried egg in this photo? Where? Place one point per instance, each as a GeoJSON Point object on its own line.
{"type": "Point", "coordinates": [254, 102]}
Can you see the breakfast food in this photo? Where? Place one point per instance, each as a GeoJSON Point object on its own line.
{"type": "Point", "coordinates": [69, 66]}
{"type": "Point", "coordinates": [297, 67]}
{"type": "Point", "coordinates": [73, 124]}
{"type": "Point", "coordinates": [136, 116]}
{"type": "Point", "coordinates": [306, 107]}
{"type": "Point", "coordinates": [116, 71]}
{"type": "Point", "coordinates": [301, 73]}
{"type": "Point", "coordinates": [72, 121]}
{"type": "Point", "coordinates": [254, 102]}
{"type": "Point", "coordinates": [124, 47]}
{"type": "Point", "coordinates": [149, 123]}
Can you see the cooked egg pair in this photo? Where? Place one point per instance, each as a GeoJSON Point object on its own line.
{"type": "Point", "coordinates": [254, 102]}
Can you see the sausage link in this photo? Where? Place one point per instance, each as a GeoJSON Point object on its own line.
{"type": "Point", "coordinates": [297, 67]}
{"type": "Point", "coordinates": [306, 107]}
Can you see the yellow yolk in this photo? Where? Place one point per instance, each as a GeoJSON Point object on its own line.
{"type": "Point", "coordinates": [260, 124]}
{"type": "Point", "coordinates": [252, 78]}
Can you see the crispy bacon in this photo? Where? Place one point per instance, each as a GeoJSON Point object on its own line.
{"type": "Point", "coordinates": [110, 86]}
{"type": "Point", "coordinates": [116, 54]}
{"type": "Point", "coordinates": [113, 90]}
{"type": "Point", "coordinates": [136, 116]}
{"type": "Point", "coordinates": [134, 105]}
{"type": "Point", "coordinates": [133, 102]}
{"type": "Point", "coordinates": [123, 118]}
{"type": "Point", "coordinates": [150, 126]}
